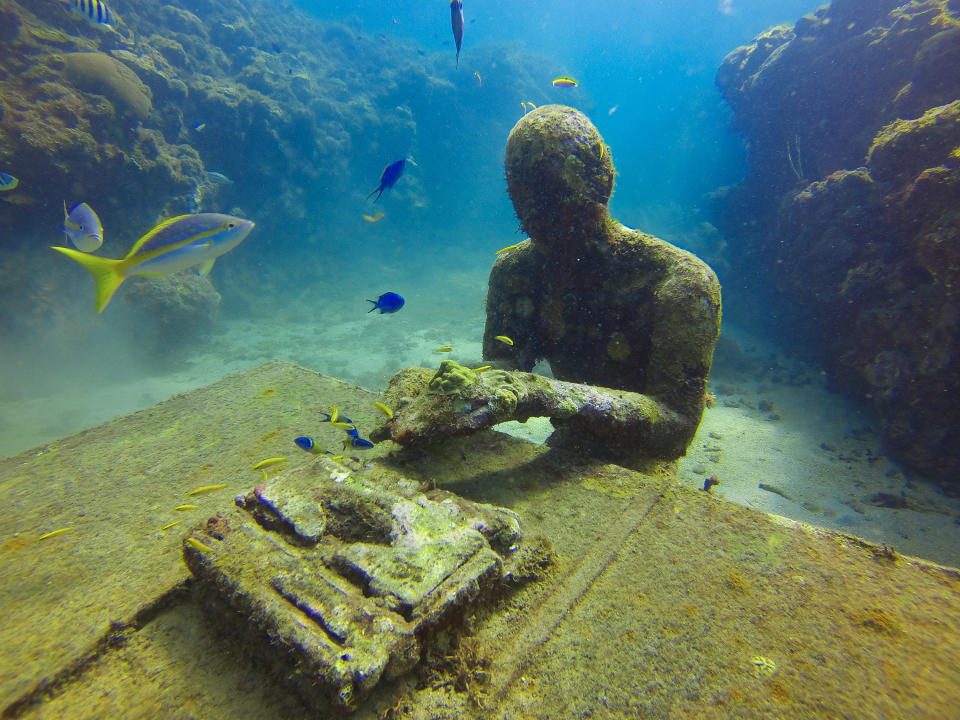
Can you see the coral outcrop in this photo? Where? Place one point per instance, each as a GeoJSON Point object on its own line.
{"type": "Point", "coordinates": [850, 207]}
{"type": "Point", "coordinates": [298, 113]}
{"type": "Point", "coordinates": [602, 303]}
{"type": "Point", "coordinates": [99, 73]}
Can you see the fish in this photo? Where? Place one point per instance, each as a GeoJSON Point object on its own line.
{"type": "Point", "coordinates": [186, 508]}
{"type": "Point", "coordinates": [199, 126]}
{"type": "Point", "coordinates": [505, 249]}
{"type": "Point", "coordinates": [268, 462]}
{"type": "Point", "coordinates": [82, 227]}
{"type": "Point", "coordinates": [218, 178]}
{"type": "Point", "coordinates": [54, 533]}
{"type": "Point", "coordinates": [373, 218]}
{"type": "Point", "coordinates": [359, 443]}
{"type": "Point", "coordinates": [564, 81]}
{"type": "Point", "coordinates": [477, 76]}
{"type": "Point", "coordinates": [306, 443]}
{"type": "Point", "coordinates": [176, 243]}
{"type": "Point", "coordinates": [334, 414]}
{"type": "Point", "coordinates": [205, 489]}
{"type": "Point", "coordinates": [504, 339]}
{"type": "Point", "coordinates": [612, 110]}
{"type": "Point", "coordinates": [169, 525]}
{"type": "Point", "coordinates": [96, 11]}
{"type": "Point", "coordinates": [482, 368]}
{"type": "Point", "coordinates": [385, 409]}
{"type": "Point", "coordinates": [8, 182]}
{"type": "Point", "coordinates": [197, 545]}
{"type": "Point", "coordinates": [391, 173]}
{"type": "Point", "coordinates": [332, 418]}
{"type": "Point", "coordinates": [389, 302]}
{"type": "Point", "coordinates": [456, 20]}
{"type": "Point", "coordinates": [348, 426]}
{"type": "Point", "coordinates": [444, 348]}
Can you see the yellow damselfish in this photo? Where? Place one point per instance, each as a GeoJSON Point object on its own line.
{"type": "Point", "coordinates": [205, 489]}
{"type": "Point", "coordinates": [197, 545]}
{"type": "Point", "coordinates": [268, 462]}
{"type": "Point", "coordinates": [54, 533]}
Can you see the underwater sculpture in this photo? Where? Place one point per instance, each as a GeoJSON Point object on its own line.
{"type": "Point", "coordinates": [457, 400]}
{"type": "Point", "coordinates": [603, 304]}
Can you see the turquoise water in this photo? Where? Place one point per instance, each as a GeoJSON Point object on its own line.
{"type": "Point", "coordinates": [320, 97]}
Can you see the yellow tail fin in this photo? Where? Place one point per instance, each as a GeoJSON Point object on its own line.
{"type": "Point", "coordinates": [107, 273]}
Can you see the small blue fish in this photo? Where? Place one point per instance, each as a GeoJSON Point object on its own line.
{"type": "Point", "coordinates": [7, 182]}
{"type": "Point", "coordinates": [391, 173]}
{"type": "Point", "coordinates": [389, 302]}
{"type": "Point", "coordinates": [82, 227]}
{"type": "Point", "coordinates": [199, 126]}
{"type": "Point", "coordinates": [96, 11]}
{"type": "Point", "coordinates": [359, 443]}
{"type": "Point", "coordinates": [307, 444]}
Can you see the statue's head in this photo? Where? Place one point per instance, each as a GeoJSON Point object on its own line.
{"type": "Point", "coordinates": [559, 175]}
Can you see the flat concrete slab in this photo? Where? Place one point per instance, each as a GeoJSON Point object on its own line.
{"type": "Point", "coordinates": [660, 601]}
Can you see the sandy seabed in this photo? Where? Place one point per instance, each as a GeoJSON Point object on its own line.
{"type": "Point", "coordinates": [776, 438]}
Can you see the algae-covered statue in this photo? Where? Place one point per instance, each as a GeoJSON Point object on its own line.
{"type": "Point", "coordinates": [602, 303]}
{"type": "Point", "coordinates": [627, 321]}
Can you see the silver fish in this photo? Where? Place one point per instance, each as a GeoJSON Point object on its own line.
{"type": "Point", "coordinates": [456, 20]}
{"type": "Point", "coordinates": [82, 227]}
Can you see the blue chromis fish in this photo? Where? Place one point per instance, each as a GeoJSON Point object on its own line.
{"type": "Point", "coordinates": [175, 244]}
{"type": "Point", "coordinates": [7, 182]}
{"type": "Point", "coordinates": [391, 173]}
{"type": "Point", "coordinates": [96, 11]}
{"type": "Point", "coordinates": [456, 21]}
{"type": "Point", "coordinates": [308, 445]}
{"type": "Point", "coordinates": [82, 227]}
{"type": "Point", "coordinates": [389, 302]}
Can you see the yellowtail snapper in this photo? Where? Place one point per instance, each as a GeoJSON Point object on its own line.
{"type": "Point", "coordinates": [82, 227]}
{"type": "Point", "coordinates": [175, 244]}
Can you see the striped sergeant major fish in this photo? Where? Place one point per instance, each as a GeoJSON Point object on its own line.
{"type": "Point", "coordinates": [96, 11]}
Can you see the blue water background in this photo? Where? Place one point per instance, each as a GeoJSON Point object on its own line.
{"type": "Point", "coordinates": [655, 62]}
{"type": "Point", "coordinates": [669, 139]}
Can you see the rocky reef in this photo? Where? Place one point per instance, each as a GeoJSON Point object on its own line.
{"type": "Point", "coordinates": [297, 114]}
{"type": "Point", "coordinates": [849, 217]}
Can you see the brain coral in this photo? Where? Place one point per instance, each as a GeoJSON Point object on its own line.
{"type": "Point", "coordinates": [99, 73]}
